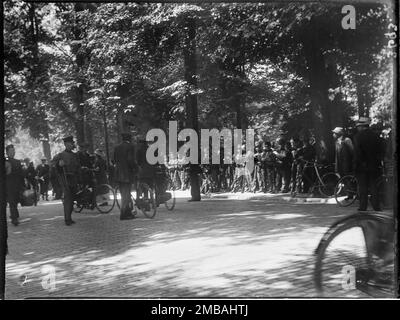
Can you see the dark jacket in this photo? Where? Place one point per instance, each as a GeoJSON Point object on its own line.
{"type": "Point", "coordinates": [368, 151]}
{"type": "Point", "coordinates": [72, 167]}
{"type": "Point", "coordinates": [85, 159]}
{"type": "Point", "coordinates": [43, 171]}
{"type": "Point", "coordinates": [15, 178]}
{"type": "Point", "coordinates": [344, 153]}
{"type": "Point", "coordinates": [125, 163]}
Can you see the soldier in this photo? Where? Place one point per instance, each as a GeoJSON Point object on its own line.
{"type": "Point", "coordinates": [69, 171]}
{"type": "Point", "coordinates": [14, 183]}
{"type": "Point", "coordinates": [125, 171]}
{"type": "Point", "coordinates": [43, 172]}
{"type": "Point", "coordinates": [368, 158]}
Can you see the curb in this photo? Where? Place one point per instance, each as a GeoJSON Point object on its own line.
{"type": "Point", "coordinates": [273, 198]}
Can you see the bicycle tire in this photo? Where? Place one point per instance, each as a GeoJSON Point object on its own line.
{"type": "Point", "coordinates": [346, 187]}
{"type": "Point", "coordinates": [151, 210]}
{"type": "Point", "coordinates": [329, 182]}
{"type": "Point", "coordinates": [170, 204]}
{"type": "Point", "coordinates": [110, 198]}
{"type": "Point", "coordinates": [77, 207]}
{"type": "Point", "coordinates": [117, 195]}
{"type": "Point", "coordinates": [361, 278]}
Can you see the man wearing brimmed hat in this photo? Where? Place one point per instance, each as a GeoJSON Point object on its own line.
{"type": "Point", "coordinates": [344, 152]}
{"type": "Point", "coordinates": [125, 171]}
{"type": "Point", "coordinates": [69, 172]}
{"type": "Point", "coordinates": [43, 172]}
{"type": "Point", "coordinates": [368, 156]}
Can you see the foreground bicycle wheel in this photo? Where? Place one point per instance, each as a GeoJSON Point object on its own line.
{"type": "Point", "coordinates": [346, 264]}
{"type": "Point", "coordinates": [346, 191]}
{"type": "Point", "coordinates": [329, 181]}
{"type": "Point", "coordinates": [104, 198]}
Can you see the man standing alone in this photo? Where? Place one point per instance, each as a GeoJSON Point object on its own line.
{"type": "Point", "coordinates": [125, 170]}
{"type": "Point", "coordinates": [344, 152]}
{"type": "Point", "coordinates": [14, 183]}
{"type": "Point", "coordinates": [69, 171]}
{"type": "Point", "coordinates": [368, 157]}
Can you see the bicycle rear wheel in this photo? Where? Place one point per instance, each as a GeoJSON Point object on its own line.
{"type": "Point", "coordinates": [345, 264]}
{"type": "Point", "coordinates": [117, 195]}
{"type": "Point", "coordinates": [170, 204]}
{"type": "Point", "coordinates": [146, 200]}
{"type": "Point", "coordinates": [77, 207]}
{"type": "Point", "coordinates": [104, 198]}
{"type": "Point", "coordinates": [346, 191]}
{"type": "Point", "coordinates": [329, 181]}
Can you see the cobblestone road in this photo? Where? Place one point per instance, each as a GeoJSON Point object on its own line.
{"type": "Point", "coordinates": [213, 248]}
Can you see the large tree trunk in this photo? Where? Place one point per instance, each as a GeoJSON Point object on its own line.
{"type": "Point", "coordinates": [364, 98]}
{"type": "Point", "coordinates": [189, 54]}
{"type": "Point", "coordinates": [79, 92]}
{"type": "Point", "coordinates": [319, 86]}
{"type": "Point", "coordinates": [46, 148]}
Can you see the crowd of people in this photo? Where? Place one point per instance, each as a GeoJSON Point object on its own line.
{"type": "Point", "coordinates": [280, 167]}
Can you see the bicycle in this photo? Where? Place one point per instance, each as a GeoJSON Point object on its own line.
{"type": "Point", "coordinates": [207, 185]}
{"type": "Point", "coordinates": [162, 182]}
{"type": "Point", "coordinates": [101, 197]}
{"type": "Point", "coordinates": [346, 190]}
{"type": "Point", "coordinates": [356, 256]}
{"type": "Point", "coordinates": [142, 199]}
{"type": "Point", "coordinates": [325, 184]}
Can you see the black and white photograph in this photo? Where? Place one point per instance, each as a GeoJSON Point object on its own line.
{"type": "Point", "coordinates": [199, 150]}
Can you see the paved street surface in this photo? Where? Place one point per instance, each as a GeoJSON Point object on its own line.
{"type": "Point", "coordinates": [218, 247]}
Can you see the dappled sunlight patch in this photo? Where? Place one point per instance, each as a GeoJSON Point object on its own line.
{"type": "Point", "coordinates": [283, 216]}
{"type": "Point", "coordinates": [284, 285]}
{"type": "Point", "coordinates": [242, 214]}
{"type": "Point", "coordinates": [53, 218]}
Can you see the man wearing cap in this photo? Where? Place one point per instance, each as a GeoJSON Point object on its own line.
{"type": "Point", "coordinates": [368, 157]}
{"type": "Point", "coordinates": [43, 172]}
{"type": "Point", "coordinates": [14, 183]}
{"type": "Point", "coordinates": [125, 171]}
{"type": "Point", "coordinates": [344, 152]}
{"type": "Point", "coordinates": [69, 171]}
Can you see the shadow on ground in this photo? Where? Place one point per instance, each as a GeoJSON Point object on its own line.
{"type": "Point", "coordinates": [212, 248]}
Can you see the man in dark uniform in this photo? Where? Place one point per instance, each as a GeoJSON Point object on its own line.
{"type": "Point", "coordinates": [43, 172]}
{"type": "Point", "coordinates": [14, 183]}
{"type": "Point", "coordinates": [69, 171]}
{"type": "Point", "coordinates": [125, 170]}
{"type": "Point", "coordinates": [368, 158]}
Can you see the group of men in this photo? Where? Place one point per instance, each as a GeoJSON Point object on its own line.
{"type": "Point", "coordinates": [276, 168]}
{"type": "Point", "coordinates": [66, 170]}
{"type": "Point", "coordinates": [21, 175]}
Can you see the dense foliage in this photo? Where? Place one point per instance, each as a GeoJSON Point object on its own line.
{"type": "Point", "coordinates": [94, 70]}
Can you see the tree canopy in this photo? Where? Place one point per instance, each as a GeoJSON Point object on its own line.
{"type": "Point", "coordinates": [285, 70]}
